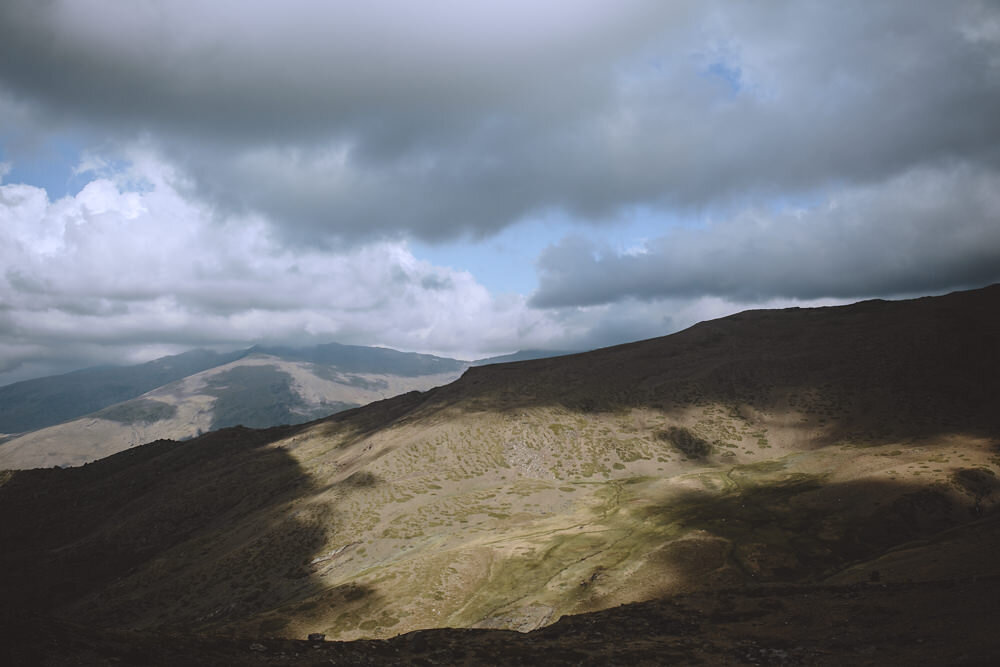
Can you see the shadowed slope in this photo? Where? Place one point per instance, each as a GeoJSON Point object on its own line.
{"type": "Point", "coordinates": [897, 366]}
{"type": "Point", "coordinates": [937, 623]}
{"type": "Point", "coordinates": [74, 537]}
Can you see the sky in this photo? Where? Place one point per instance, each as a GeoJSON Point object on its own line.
{"type": "Point", "coordinates": [473, 178]}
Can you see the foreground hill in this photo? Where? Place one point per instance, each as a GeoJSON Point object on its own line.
{"type": "Point", "coordinates": [746, 468]}
{"type": "Point", "coordinates": [201, 391]}
{"type": "Point", "coordinates": [920, 623]}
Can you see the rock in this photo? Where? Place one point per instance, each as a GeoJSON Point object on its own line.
{"type": "Point", "coordinates": [316, 636]}
{"type": "Point", "coordinates": [257, 647]}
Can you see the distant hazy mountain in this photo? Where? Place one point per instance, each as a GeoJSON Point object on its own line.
{"type": "Point", "coordinates": [819, 483]}
{"type": "Point", "coordinates": [34, 404]}
{"type": "Point", "coordinates": [183, 396]}
{"type": "Point", "coordinates": [361, 359]}
{"type": "Point", "coordinates": [521, 355]}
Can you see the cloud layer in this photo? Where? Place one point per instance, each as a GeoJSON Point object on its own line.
{"type": "Point", "coordinates": [921, 232]}
{"type": "Point", "coordinates": [114, 267]}
{"type": "Point", "coordinates": [260, 171]}
{"type": "Point", "coordinates": [465, 117]}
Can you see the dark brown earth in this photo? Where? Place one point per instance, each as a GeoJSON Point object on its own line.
{"type": "Point", "coordinates": [926, 623]}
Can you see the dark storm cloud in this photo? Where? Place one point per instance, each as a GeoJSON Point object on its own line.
{"type": "Point", "coordinates": [255, 171]}
{"type": "Point", "coordinates": [388, 77]}
{"type": "Point", "coordinates": [923, 232]}
{"type": "Point", "coordinates": [441, 119]}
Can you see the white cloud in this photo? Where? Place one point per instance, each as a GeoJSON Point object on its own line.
{"type": "Point", "coordinates": [118, 275]}
{"type": "Point", "coordinates": [149, 269]}
{"type": "Point", "coordinates": [114, 275]}
{"type": "Point", "coordinates": [256, 170]}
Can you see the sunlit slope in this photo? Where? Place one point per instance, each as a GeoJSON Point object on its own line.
{"type": "Point", "coordinates": [835, 444]}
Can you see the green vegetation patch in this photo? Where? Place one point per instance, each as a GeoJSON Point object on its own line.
{"type": "Point", "coordinates": [749, 472]}
{"type": "Point", "coordinates": [558, 429]}
{"type": "Point", "coordinates": [764, 518]}
{"type": "Point", "coordinates": [139, 411]}
{"type": "Point", "coordinates": [262, 396]}
{"type": "Point", "coordinates": [980, 483]}
{"type": "Point", "coordinates": [360, 479]}
{"type": "Point", "coordinates": [687, 443]}
{"type": "Point", "coordinates": [794, 526]}
{"type": "Point", "coordinates": [521, 576]}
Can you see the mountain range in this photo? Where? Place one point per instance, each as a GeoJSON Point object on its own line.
{"type": "Point", "coordinates": [82, 416]}
{"type": "Point", "coordinates": [798, 486]}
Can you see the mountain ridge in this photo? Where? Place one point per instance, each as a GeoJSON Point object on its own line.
{"type": "Point", "coordinates": [80, 392]}
{"type": "Point", "coordinates": [812, 448]}
{"type": "Point", "coordinates": [206, 391]}
{"type": "Point", "coordinates": [523, 355]}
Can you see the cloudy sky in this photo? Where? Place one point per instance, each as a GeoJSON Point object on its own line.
{"type": "Point", "coordinates": [473, 178]}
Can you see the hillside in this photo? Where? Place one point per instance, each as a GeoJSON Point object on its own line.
{"type": "Point", "coordinates": [849, 454]}
{"type": "Point", "coordinates": [258, 388]}
{"type": "Point", "coordinates": [34, 404]}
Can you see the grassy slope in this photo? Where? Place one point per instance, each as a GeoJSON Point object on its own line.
{"type": "Point", "coordinates": [803, 446]}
